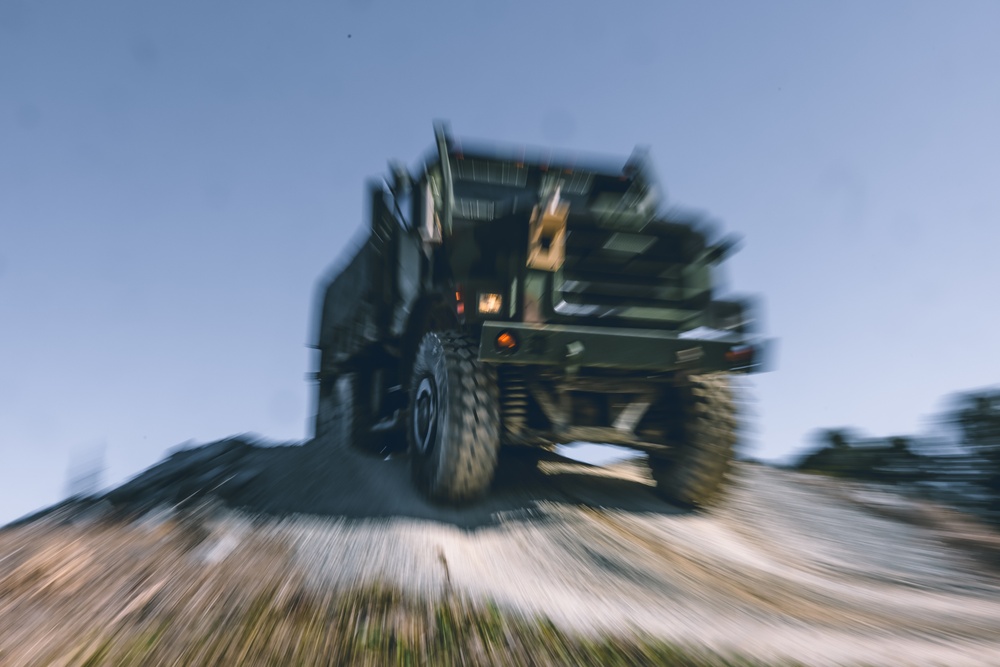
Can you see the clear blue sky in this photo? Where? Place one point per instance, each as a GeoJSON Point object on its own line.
{"type": "Point", "coordinates": [175, 176]}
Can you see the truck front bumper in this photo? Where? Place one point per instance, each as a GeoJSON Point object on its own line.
{"type": "Point", "coordinates": [600, 347]}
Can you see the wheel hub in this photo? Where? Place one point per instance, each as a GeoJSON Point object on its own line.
{"type": "Point", "coordinates": [425, 414]}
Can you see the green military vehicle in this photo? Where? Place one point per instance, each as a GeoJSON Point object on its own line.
{"type": "Point", "coordinates": [503, 299]}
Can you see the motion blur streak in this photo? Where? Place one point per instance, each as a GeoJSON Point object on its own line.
{"type": "Point", "coordinates": [334, 559]}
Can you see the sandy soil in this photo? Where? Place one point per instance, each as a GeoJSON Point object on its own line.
{"type": "Point", "coordinates": [790, 566]}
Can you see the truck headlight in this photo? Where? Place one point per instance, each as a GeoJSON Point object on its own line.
{"type": "Point", "coordinates": [490, 303]}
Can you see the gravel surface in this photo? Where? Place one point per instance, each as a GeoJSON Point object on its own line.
{"type": "Point", "coordinates": [788, 567]}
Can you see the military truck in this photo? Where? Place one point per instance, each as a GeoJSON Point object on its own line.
{"type": "Point", "coordinates": [502, 298]}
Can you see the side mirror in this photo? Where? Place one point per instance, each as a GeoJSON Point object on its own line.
{"type": "Point", "coordinates": [401, 182]}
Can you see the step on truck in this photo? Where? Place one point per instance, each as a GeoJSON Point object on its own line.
{"type": "Point", "coordinates": [504, 299]}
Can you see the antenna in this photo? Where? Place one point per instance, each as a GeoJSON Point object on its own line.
{"type": "Point", "coordinates": [443, 139]}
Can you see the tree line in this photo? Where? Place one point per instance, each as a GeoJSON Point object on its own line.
{"type": "Point", "coordinates": [960, 464]}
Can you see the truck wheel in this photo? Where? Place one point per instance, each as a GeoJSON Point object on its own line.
{"type": "Point", "coordinates": [355, 401]}
{"type": "Point", "coordinates": [327, 411]}
{"type": "Point", "coordinates": [453, 422]}
{"type": "Point", "coordinates": [703, 427]}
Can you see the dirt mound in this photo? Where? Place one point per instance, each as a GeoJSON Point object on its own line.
{"type": "Point", "coordinates": [788, 567]}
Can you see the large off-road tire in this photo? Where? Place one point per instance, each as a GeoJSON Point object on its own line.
{"type": "Point", "coordinates": [327, 422]}
{"type": "Point", "coordinates": [699, 420]}
{"type": "Point", "coordinates": [345, 416]}
{"type": "Point", "coordinates": [453, 421]}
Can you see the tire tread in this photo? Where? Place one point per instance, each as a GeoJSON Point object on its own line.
{"type": "Point", "coordinates": [470, 434]}
{"type": "Point", "coordinates": [697, 475]}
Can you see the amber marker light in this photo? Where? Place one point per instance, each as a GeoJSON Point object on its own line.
{"type": "Point", "coordinates": [739, 354]}
{"type": "Point", "coordinates": [506, 342]}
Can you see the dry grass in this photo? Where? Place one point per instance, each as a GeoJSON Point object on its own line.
{"type": "Point", "coordinates": [169, 593]}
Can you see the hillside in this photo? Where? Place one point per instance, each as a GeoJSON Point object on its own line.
{"type": "Point", "coordinates": [234, 553]}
